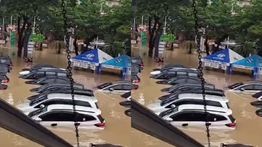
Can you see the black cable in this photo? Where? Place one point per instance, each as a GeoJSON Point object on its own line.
{"type": "Point", "coordinates": [200, 67]}
{"type": "Point", "coordinates": [69, 69]}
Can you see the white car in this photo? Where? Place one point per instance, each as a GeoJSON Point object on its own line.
{"type": "Point", "coordinates": [194, 115]}
{"type": "Point", "coordinates": [58, 98]}
{"type": "Point", "coordinates": [120, 87]}
{"type": "Point", "coordinates": [63, 116]}
{"type": "Point", "coordinates": [181, 99]}
{"type": "Point", "coordinates": [156, 72]}
{"type": "Point", "coordinates": [248, 88]}
{"type": "Point", "coordinates": [26, 72]}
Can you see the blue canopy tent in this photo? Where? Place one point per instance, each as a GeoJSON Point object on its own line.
{"type": "Point", "coordinates": [253, 63]}
{"type": "Point", "coordinates": [91, 59]}
{"type": "Point", "coordinates": [122, 63]}
{"type": "Point", "coordinates": [222, 59]}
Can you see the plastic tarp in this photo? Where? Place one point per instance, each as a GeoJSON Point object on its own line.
{"type": "Point", "coordinates": [251, 62]}
{"type": "Point", "coordinates": [91, 59]}
{"type": "Point", "coordinates": [120, 63]}
{"type": "Point", "coordinates": [222, 59]}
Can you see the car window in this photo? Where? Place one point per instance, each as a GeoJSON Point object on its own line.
{"type": "Point", "coordinates": [189, 116]}
{"type": "Point", "coordinates": [65, 116]}
{"type": "Point", "coordinates": [194, 101]}
{"type": "Point", "coordinates": [181, 73]}
{"type": "Point", "coordinates": [40, 73]}
{"type": "Point", "coordinates": [63, 101]}
{"type": "Point", "coordinates": [61, 74]}
{"type": "Point", "coordinates": [48, 73]}
{"type": "Point", "coordinates": [257, 87]}
{"type": "Point", "coordinates": [127, 87]}
{"type": "Point", "coordinates": [117, 87]}
{"type": "Point", "coordinates": [192, 74]}
{"type": "Point", "coordinates": [247, 87]}
{"type": "Point", "coordinates": [57, 116]}
{"type": "Point", "coordinates": [215, 117]}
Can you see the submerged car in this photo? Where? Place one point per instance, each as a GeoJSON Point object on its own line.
{"type": "Point", "coordinates": [57, 98]}
{"type": "Point", "coordinates": [63, 116]}
{"type": "Point", "coordinates": [117, 87]}
{"type": "Point", "coordinates": [138, 61]}
{"type": "Point", "coordinates": [36, 74]}
{"type": "Point", "coordinates": [249, 88]}
{"type": "Point", "coordinates": [187, 86]}
{"type": "Point", "coordinates": [216, 92]}
{"type": "Point", "coordinates": [180, 79]}
{"type": "Point", "coordinates": [195, 116]}
{"type": "Point", "coordinates": [85, 92]}
{"type": "Point", "coordinates": [3, 86]}
{"type": "Point", "coordinates": [189, 98]}
{"type": "Point", "coordinates": [168, 66]}
{"type": "Point", "coordinates": [56, 86]}
{"type": "Point", "coordinates": [4, 69]}
{"type": "Point", "coordinates": [155, 72]}
{"type": "Point", "coordinates": [135, 79]}
{"type": "Point", "coordinates": [4, 79]}
{"type": "Point", "coordinates": [174, 73]}
{"type": "Point", "coordinates": [49, 79]}
{"type": "Point", "coordinates": [7, 62]}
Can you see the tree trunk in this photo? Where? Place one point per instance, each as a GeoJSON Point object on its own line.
{"type": "Point", "coordinates": [59, 48]}
{"type": "Point", "coordinates": [152, 35]}
{"type": "Point", "coordinates": [41, 46]}
{"type": "Point", "coordinates": [87, 42]}
{"type": "Point", "coordinates": [26, 38]}
{"type": "Point", "coordinates": [76, 46]}
{"type": "Point", "coordinates": [207, 46]}
{"type": "Point", "coordinates": [21, 31]}
{"type": "Point", "coordinates": [190, 48]}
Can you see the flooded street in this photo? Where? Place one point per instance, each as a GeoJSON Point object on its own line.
{"type": "Point", "coordinates": [249, 125]}
{"type": "Point", "coordinates": [118, 129]}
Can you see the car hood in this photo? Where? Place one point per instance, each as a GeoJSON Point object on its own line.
{"type": "Point", "coordinates": [155, 72]}
{"type": "Point", "coordinates": [24, 106]}
{"type": "Point", "coordinates": [154, 106]}
{"type": "Point", "coordinates": [24, 72]}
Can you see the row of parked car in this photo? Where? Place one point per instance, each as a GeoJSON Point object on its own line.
{"type": "Point", "coordinates": [53, 104]}
{"type": "Point", "coordinates": [184, 104]}
{"type": "Point", "coordinates": [251, 87]}
{"type": "Point", "coordinates": [5, 67]}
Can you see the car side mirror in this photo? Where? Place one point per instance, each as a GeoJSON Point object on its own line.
{"type": "Point", "coordinates": [42, 106]}
{"type": "Point", "coordinates": [38, 119]}
{"type": "Point", "coordinates": [111, 89]}
{"type": "Point", "coordinates": [242, 89]}
{"type": "Point", "coordinates": [173, 106]}
{"type": "Point", "coordinates": [168, 119]}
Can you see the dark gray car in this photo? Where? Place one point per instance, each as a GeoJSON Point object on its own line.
{"type": "Point", "coordinates": [186, 86]}
{"type": "Point", "coordinates": [55, 86]}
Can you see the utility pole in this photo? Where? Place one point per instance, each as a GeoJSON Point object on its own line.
{"type": "Point", "coordinates": [165, 25]}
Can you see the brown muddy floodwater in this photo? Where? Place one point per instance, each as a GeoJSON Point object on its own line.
{"type": "Point", "coordinates": [118, 129]}
{"type": "Point", "coordinates": [249, 125]}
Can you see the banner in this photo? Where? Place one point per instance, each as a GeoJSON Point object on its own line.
{"type": "Point", "coordinates": [12, 40]}
{"type": "Point", "coordinates": [144, 39]}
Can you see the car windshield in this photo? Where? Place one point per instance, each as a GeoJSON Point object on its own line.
{"type": "Point", "coordinates": [104, 85]}
{"type": "Point", "coordinates": [38, 111]}
{"type": "Point", "coordinates": [169, 99]}
{"type": "Point", "coordinates": [164, 113]}
{"type": "Point", "coordinates": [235, 85]}
{"type": "Point", "coordinates": [37, 100]}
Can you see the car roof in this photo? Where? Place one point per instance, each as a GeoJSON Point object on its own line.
{"type": "Point", "coordinates": [69, 108]}
{"type": "Point", "coordinates": [120, 82]}
{"type": "Point", "coordinates": [194, 107]}
{"type": "Point", "coordinates": [190, 84]}
{"type": "Point", "coordinates": [69, 97]}
{"type": "Point", "coordinates": [199, 96]}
